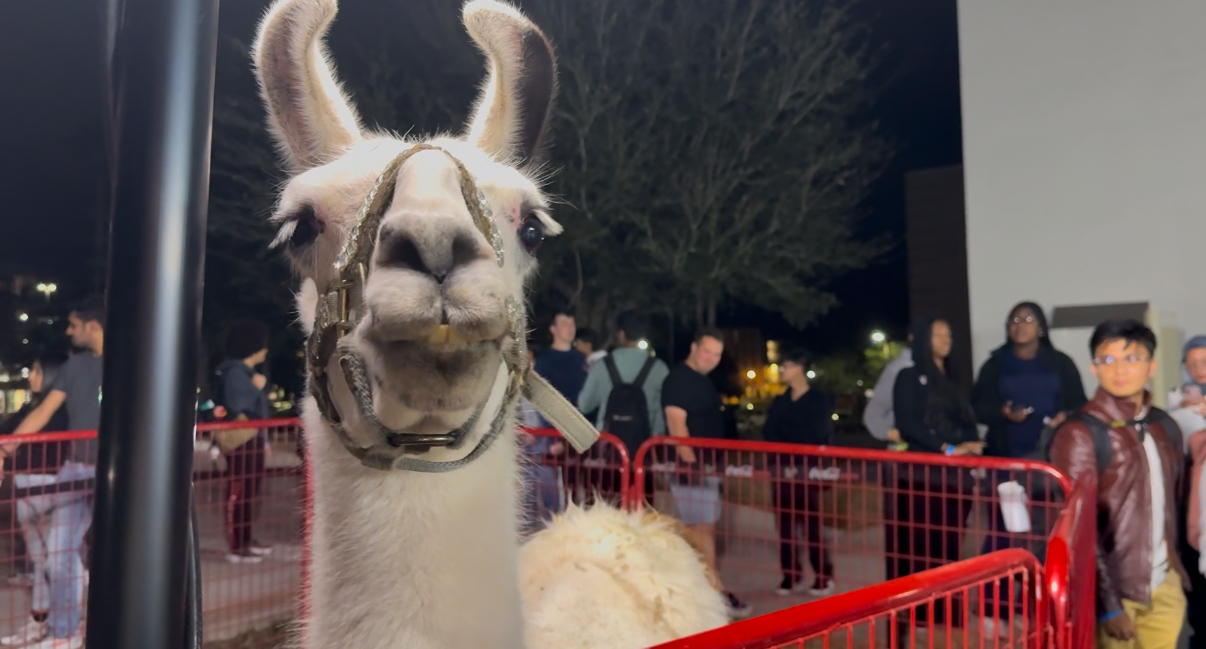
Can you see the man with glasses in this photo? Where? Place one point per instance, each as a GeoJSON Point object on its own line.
{"type": "Point", "coordinates": [1137, 456]}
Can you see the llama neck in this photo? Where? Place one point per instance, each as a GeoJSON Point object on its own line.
{"type": "Point", "coordinates": [414, 560]}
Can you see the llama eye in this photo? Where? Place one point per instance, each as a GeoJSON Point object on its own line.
{"type": "Point", "coordinates": [306, 228]}
{"type": "Point", "coordinates": [531, 234]}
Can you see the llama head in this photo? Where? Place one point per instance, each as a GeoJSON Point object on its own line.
{"type": "Point", "coordinates": [431, 265]}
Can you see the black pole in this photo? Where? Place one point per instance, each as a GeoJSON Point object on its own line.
{"type": "Point", "coordinates": [163, 75]}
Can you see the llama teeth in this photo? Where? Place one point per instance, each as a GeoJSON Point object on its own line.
{"type": "Point", "coordinates": [445, 337]}
{"type": "Point", "coordinates": [439, 336]}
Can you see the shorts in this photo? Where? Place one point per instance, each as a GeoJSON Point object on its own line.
{"type": "Point", "coordinates": [698, 504]}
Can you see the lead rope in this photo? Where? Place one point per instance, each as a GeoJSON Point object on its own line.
{"type": "Point", "coordinates": [336, 316]}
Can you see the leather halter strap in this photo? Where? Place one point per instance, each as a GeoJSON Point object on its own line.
{"type": "Point", "coordinates": [339, 310]}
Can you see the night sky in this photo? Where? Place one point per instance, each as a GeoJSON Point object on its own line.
{"type": "Point", "coordinates": [51, 170]}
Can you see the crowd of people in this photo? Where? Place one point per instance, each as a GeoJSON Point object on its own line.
{"type": "Point", "coordinates": [53, 482]}
{"type": "Point", "coordinates": [1030, 398]}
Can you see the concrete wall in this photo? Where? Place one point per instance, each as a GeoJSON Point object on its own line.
{"type": "Point", "coordinates": [1084, 135]}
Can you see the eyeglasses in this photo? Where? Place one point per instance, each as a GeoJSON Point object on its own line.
{"type": "Point", "coordinates": [1029, 319]}
{"type": "Point", "coordinates": [1116, 361]}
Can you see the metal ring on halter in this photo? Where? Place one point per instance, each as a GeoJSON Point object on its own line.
{"type": "Point", "coordinates": [337, 315]}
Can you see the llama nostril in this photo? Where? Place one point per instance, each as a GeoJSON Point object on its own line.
{"type": "Point", "coordinates": [397, 249]}
{"type": "Point", "coordinates": [434, 252]}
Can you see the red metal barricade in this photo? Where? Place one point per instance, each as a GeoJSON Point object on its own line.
{"type": "Point", "coordinates": [250, 519]}
{"type": "Point", "coordinates": [794, 522]}
{"type": "Point", "coordinates": [1071, 569]}
{"type": "Point", "coordinates": [901, 613]}
{"type": "Point", "coordinates": [557, 475]}
{"type": "Point", "coordinates": [253, 493]}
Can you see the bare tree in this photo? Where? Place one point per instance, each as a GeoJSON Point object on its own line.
{"type": "Point", "coordinates": [771, 161]}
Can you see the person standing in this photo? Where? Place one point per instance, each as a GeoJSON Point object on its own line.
{"type": "Point", "coordinates": [926, 507]}
{"type": "Point", "coordinates": [34, 465]}
{"type": "Point", "coordinates": [239, 392]}
{"type": "Point", "coordinates": [801, 415]}
{"type": "Point", "coordinates": [78, 389]}
{"type": "Point", "coordinates": [1025, 385]}
{"type": "Point", "coordinates": [1140, 601]}
{"type": "Point", "coordinates": [880, 416]}
{"type": "Point", "coordinates": [693, 410]}
{"type": "Point", "coordinates": [561, 365]}
{"type": "Point", "coordinates": [1187, 406]}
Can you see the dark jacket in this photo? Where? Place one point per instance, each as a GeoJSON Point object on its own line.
{"type": "Point", "coordinates": [1124, 535]}
{"type": "Point", "coordinates": [912, 398]}
{"type": "Point", "coordinates": [988, 402]}
{"type": "Point", "coordinates": [234, 390]}
{"type": "Point", "coordinates": [807, 420]}
{"type": "Point", "coordinates": [42, 457]}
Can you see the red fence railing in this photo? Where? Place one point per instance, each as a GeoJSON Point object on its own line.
{"type": "Point", "coordinates": [249, 512]}
{"type": "Point", "coordinates": [891, 613]}
{"type": "Point", "coordinates": [795, 522]}
{"type": "Point", "coordinates": [858, 517]}
{"type": "Point", "coordinates": [1071, 569]}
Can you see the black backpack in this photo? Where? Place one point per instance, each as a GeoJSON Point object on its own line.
{"type": "Point", "coordinates": [1100, 430]}
{"type": "Point", "coordinates": [627, 409]}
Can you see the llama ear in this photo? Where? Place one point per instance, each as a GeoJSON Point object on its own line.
{"type": "Point", "coordinates": [308, 113]}
{"type": "Point", "coordinates": [512, 113]}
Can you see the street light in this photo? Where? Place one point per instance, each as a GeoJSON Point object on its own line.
{"type": "Point", "coordinates": [24, 317]}
{"type": "Point", "coordinates": [878, 337]}
{"type": "Point", "coordinates": [46, 289]}
{"type": "Point", "coordinates": [751, 375]}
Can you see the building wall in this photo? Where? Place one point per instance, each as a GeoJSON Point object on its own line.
{"type": "Point", "coordinates": [1084, 134]}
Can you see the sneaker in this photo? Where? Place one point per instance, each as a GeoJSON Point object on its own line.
{"type": "Point", "coordinates": [788, 586]}
{"type": "Point", "coordinates": [738, 610]}
{"type": "Point", "coordinates": [28, 633]}
{"type": "Point", "coordinates": [822, 587]}
{"type": "Point", "coordinates": [259, 549]}
{"type": "Point", "coordinates": [243, 557]}
{"type": "Point", "coordinates": [74, 642]}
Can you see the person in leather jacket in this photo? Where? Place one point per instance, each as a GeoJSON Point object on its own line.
{"type": "Point", "coordinates": [1140, 597]}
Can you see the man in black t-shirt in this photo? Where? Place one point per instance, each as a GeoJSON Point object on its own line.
{"type": "Point", "coordinates": [693, 409]}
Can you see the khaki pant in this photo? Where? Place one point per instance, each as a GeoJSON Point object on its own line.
{"type": "Point", "coordinates": [1158, 625]}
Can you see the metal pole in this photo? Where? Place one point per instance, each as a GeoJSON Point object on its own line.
{"type": "Point", "coordinates": [163, 74]}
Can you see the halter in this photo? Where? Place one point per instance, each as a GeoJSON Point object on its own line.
{"type": "Point", "coordinates": [339, 311]}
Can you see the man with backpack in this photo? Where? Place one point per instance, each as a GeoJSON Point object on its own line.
{"type": "Point", "coordinates": [1136, 451]}
{"type": "Point", "coordinates": [626, 386]}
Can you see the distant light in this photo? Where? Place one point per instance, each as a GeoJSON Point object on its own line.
{"type": "Point", "coordinates": [25, 372]}
{"type": "Point", "coordinates": [751, 374]}
{"type": "Point", "coordinates": [24, 341]}
{"type": "Point", "coordinates": [835, 417]}
{"type": "Point", "coordinates": [643, 344]}
{"type": "Point", "coordinates": [749, 406]}
{"type": "Point", "coordinates": [870, 394]}
{"type": "Point", "coordinates": [24, 317]}
{"type": "Point", "coordinates": [878, 337]}
{"type": "Point", "coordinates": [812, 374]}
{"type": "Point", "coordinates": [860, 384]}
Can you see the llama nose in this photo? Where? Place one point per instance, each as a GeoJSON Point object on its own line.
{"type": "Point", "coordinates": [434, 249]}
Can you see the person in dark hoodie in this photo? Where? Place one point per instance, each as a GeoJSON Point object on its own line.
{"type": "Point", "coordinates": [239, 394]}
{"type": "Point", "coordinates": [925, 507]}
{"type": "Point", "coordinates": [1025, 386]}
{"type": "Point", "coordinates": [801, 415]}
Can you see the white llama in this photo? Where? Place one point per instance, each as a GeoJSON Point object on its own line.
{"type": "Point", "coordinates": [413, 256]}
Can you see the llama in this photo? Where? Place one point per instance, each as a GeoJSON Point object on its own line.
{"type": "Point", "coordinates": [413, 255]}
